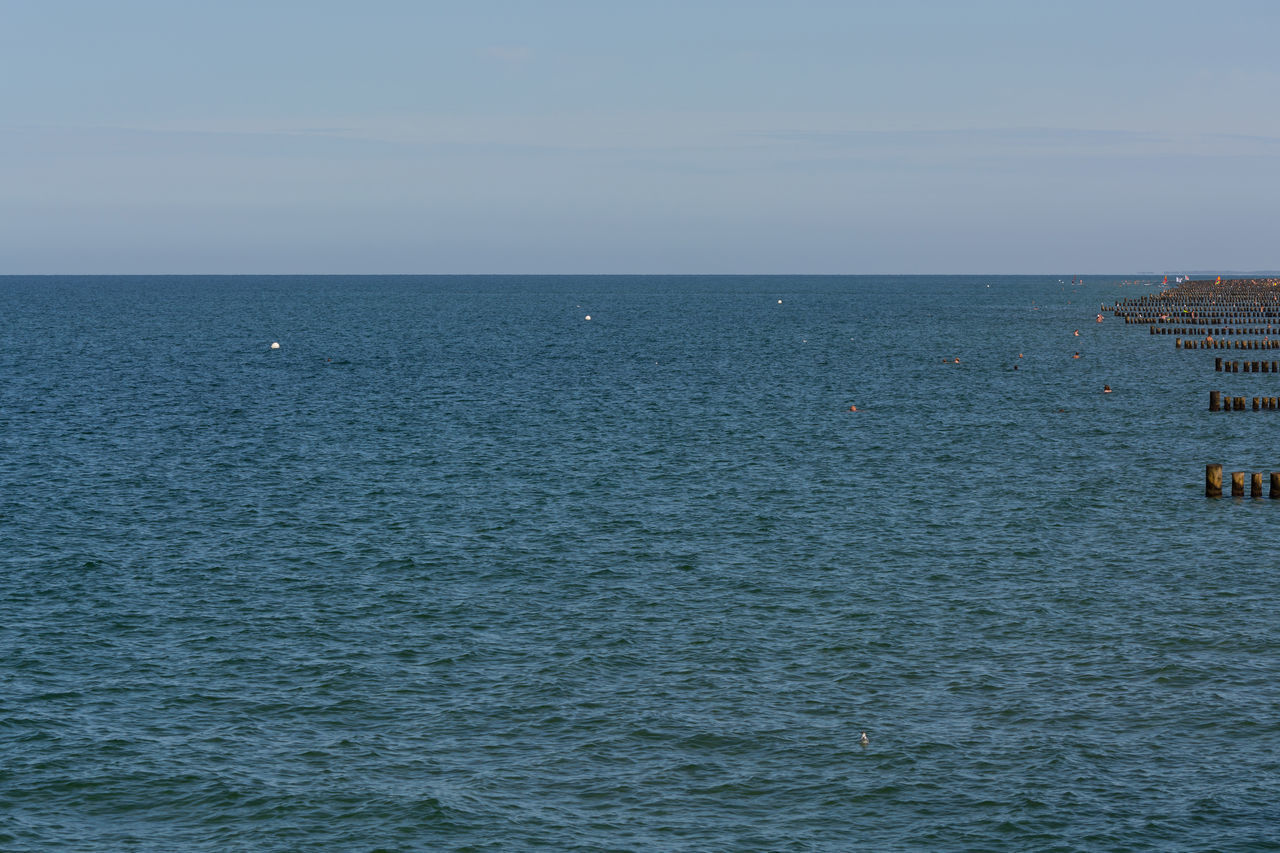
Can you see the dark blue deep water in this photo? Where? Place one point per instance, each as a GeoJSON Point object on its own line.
{"type": "Point", "coordinates": [455, 568]}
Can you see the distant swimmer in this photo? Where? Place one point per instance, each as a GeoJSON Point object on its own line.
{"type": "Point", "coordinates": [853, 408]}
{"type": "Point", "coordinates": [1077, 333]}
{"type": "Point", "coordinates": [957, 361]}
{"type": "Point", "coordinates": [863, 739]}
{"type": "Point", "coordinates": [1077, 355]}
{"type": "Point", "coordinates": [1106, 389]}
{"type": "Point", "coordinates": [1099, 318]}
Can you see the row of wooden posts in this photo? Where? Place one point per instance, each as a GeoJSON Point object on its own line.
{"type": "Point", "coordinates": [1213, 483]}
{"type": "Point", "coordinates": [1165, 318]}
{"type": "Point", "coordinates": [1206, 309]}
{"type": "Point", "coordinates": [1203, 303]}
{"type": "Point", "coordinates": [1210, 343]}
{"type": "Point", "coordinates": [1218, 403]}
{"type": "Point", "coordinates": [1228, 304]}
{"type": "Point", "coordinates": [1220, 366]}
{"type": "Point", "coordinates": [1221, 330]}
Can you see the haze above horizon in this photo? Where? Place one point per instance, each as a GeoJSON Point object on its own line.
{"type": "Point", "coordinates": [561, 137]}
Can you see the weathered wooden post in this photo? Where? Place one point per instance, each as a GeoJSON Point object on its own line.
{"type": "Point", "coordinates": [1255, 485]}
{"type": "Point", "coordinates": [1215, 401]}
{"type": "Point", "coordinates": [1275, 485]}
{"type": "Point", "coordinates": [1237, 484]}
{"type": "Point", "coordinates": [1213, 481]}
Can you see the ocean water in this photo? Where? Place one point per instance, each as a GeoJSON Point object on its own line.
{"type": "Point", "coordinates": [456, 568]}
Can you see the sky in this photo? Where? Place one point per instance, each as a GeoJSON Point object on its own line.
{"type": "Point", "coordinates": [389, 136]}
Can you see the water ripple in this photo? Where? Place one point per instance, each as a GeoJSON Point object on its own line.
{"type": "Point", "coordinates": [451, 571]}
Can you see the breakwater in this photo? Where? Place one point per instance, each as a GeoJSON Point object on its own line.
{"type": "Point", "coordinates": [1199, 313]}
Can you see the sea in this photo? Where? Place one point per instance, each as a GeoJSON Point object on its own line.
{"type": "Point", "coordinates": [608, 563]}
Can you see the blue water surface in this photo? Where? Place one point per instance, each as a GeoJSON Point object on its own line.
{"type": "Point", "coordinates": [456, 568]}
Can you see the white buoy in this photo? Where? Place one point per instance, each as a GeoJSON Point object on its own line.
{"type": "Point", "coordinates": [779, 301]}
{"type": "Point", "coordinates": [275, 345]}
{"type": "Point", "coordinates": [588, 317]}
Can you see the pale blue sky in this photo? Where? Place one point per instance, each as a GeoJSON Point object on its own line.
{"type": "Point", "coordinates": [576, 137]}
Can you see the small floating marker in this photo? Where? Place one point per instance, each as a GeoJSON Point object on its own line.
{"type": "Point", "coordinates": [588, 317]}
{"type": "Point", "coordinates": [275, 345]}
{"type": "Point", "coordinates": [779, 301]}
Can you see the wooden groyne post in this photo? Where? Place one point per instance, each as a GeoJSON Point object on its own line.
{"type": "Point", "coordinates": [1213, 481]}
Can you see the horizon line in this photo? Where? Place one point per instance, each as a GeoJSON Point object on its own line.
{"type": "Point", "coordinates": [1223, 272]}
